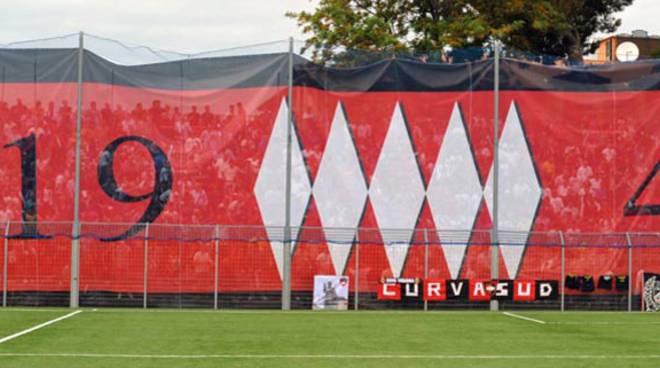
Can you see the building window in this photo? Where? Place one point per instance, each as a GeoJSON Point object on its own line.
{"type": "Point", "coordinates": [608, 50]}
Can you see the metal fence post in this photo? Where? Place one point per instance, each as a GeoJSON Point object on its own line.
{"type": "Point", "coordinates": [286, 249]}
{"type": "Point", "coordinates": [215, 266]}
{"type": "Point", "coordinates": [426, 263]}
{"type": "Point", "coordinates": [146, 265]}
{"type": "Point", "coordinates": [5, 266]}
{"type": "Point", "coordinates": [75, 236]}
{"type": "Point", "coordinates": [357, 269]}
{"type": "Point", "coordinates": [495, 249]}
{"type": "Point", "coordinates": [630, 271]}
{"type": "Point", "coordinates": [563, 269]}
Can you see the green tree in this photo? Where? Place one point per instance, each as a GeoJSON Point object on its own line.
{"type": "Point", "coordinates": [336, 25]}
{"type": "Point", "coordinates": [556, 27]}
{"type": "Point", "coordinates": [579, 20]}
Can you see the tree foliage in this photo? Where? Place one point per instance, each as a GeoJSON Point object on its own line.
{"type": "Point", "coordinates": [556, 27]}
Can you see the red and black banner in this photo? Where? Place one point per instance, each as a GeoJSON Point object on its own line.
{"type": "Point", "coordinates": [397, 144]}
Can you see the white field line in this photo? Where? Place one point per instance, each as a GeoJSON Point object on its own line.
{"type": "Point", "coordinates": [30, 310]}
{"type": "Point", "coordinates": [219, 311]}
{"type": "Point", "coordinates": [283, 312]}
{"type": "Point", "coordinates": [260, 311]}
{"type": "Point", "coordinates": [307, 312]}
{"type": "Point", "coordinates": [524, 318]}
{"type": "Point", "coordinates": [32, 329]}
{"type": "Point", "coordinates": [605, 323]}
{"type": "Point", "coordinates": [326, 356]}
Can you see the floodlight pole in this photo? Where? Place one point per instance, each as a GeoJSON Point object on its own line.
{"type": "Point", "coordinates": [286, 249]}
{"type": "Point", "coordinates": [75, 233]}
{"type": "Point", "coordinates": [495, 248]}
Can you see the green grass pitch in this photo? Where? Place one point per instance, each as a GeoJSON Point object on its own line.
{"type": "Point", "coordinates": [195, 338]}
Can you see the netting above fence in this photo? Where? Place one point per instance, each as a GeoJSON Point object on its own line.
{"type": "Point", "coordinates": [129, 54]}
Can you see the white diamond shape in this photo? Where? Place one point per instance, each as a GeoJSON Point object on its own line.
{"type": "Point", "coordinates": [270, 187]}
{"type": "Point", "coordinates": [340, 190]}
{"type": "Point", "coordinates": [455, 192]}
{"type": "Point", "coordinates": [397, 191]}
{"type": "Point", "coordinates": [519, 191]}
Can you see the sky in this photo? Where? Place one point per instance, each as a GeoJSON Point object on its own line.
{"type": "Point", "coordinates": [195, 25]}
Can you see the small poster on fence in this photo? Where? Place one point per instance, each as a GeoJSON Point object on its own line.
{"type": "Point", "coordinates": [330, 292]}
{"type": "Point", "coordinates": [651, 297]}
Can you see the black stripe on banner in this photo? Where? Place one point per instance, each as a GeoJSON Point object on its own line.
{"type": "Point", "coordinates": [403, 75]}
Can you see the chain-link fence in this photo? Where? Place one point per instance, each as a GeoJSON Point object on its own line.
{"type": "Point", "coordinates": [180, 266]}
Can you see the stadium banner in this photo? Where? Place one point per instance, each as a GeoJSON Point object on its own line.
{"type": "Point", "coordinates": [396, 144]}
{"type": "Point", "coordinates": [432, 290]}
{"type": "Point", "coordinates": [651, 292]}
{"type": "Point", "coordinates": [330, 292]}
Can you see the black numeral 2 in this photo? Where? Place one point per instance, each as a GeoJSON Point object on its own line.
{"type": "Point", "coordinates": [634, 209]}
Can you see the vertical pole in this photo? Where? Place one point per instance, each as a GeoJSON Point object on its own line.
{"type": "Point", "coordinates": [426, 263]}
{"type": "Point", "coordinates": [5, 266]}
{"type": "Point", "coordinates": [286, 249]}
{"type": "Point", "coordinates": [357, 268]}
{"type": "Point", "coordinates": [146, 266]}
{"type": "Point", "coordinates": [75, 236]}
{"type": "Point", "coordinates": [3, 84]}
{"type": "Point", "coordinates": [563, 269]}
{"type": "Point", "coordinates": [630, 271]}
{"type": "Point", "coordinates": [215, 266]}
{"type": "Point", "coordinates": [495, 251]}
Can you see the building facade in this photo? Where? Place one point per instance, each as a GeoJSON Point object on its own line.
{"type": "Point", "coordinates": [627, 47]}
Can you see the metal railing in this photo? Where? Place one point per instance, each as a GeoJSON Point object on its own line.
{"type": "Point", "coordinates": [223, 256]}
